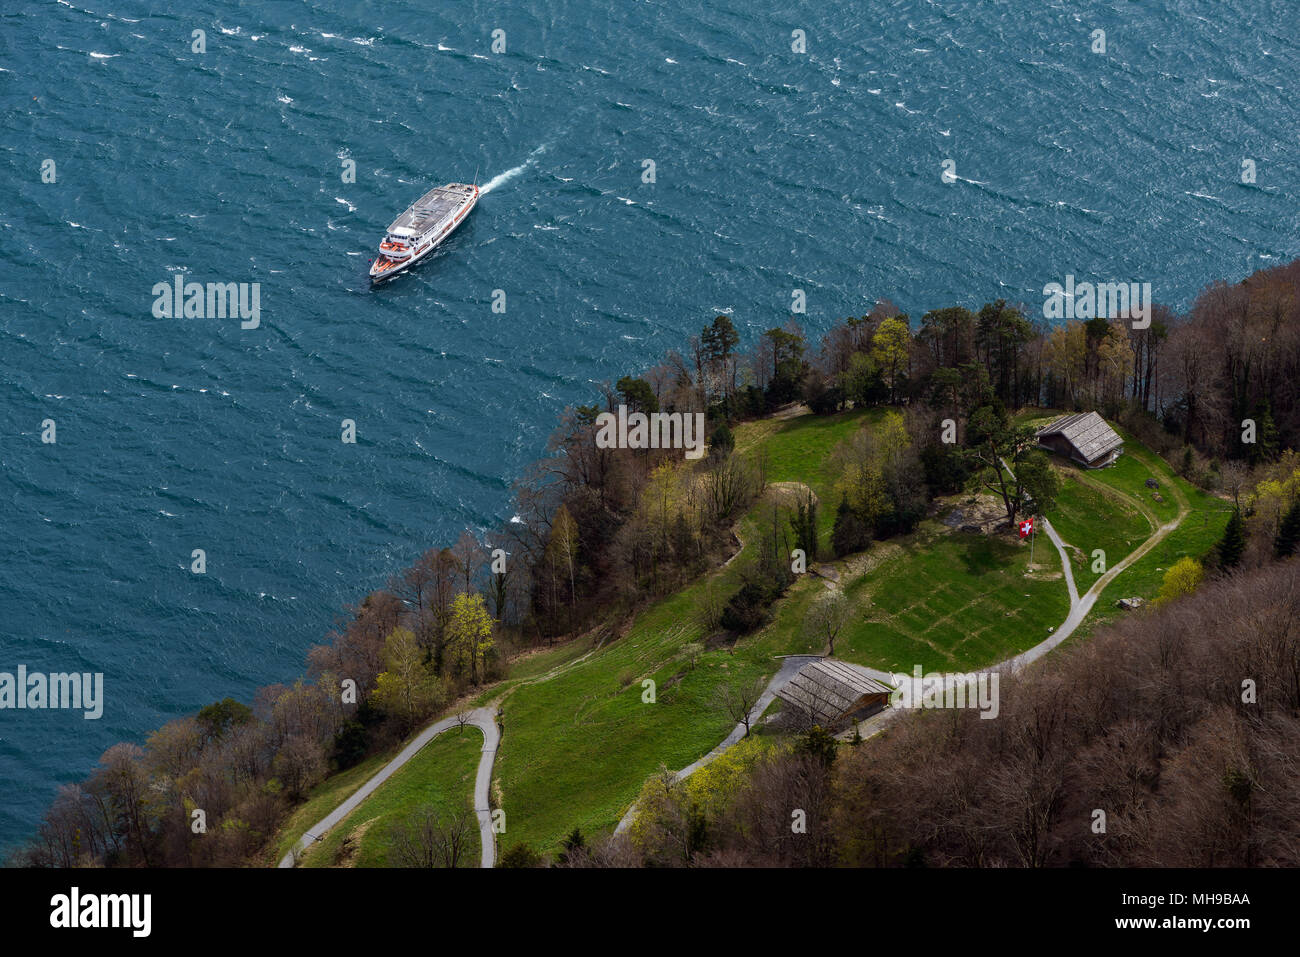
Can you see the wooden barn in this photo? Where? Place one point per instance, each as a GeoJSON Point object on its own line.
{"type": "Point", "coordinates": [834, 694]}
{"type": "Point", "coordinates": [1084, 437]}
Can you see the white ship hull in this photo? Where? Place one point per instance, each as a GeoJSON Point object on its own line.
{"type": "Point", "coordinates": [422, 228]}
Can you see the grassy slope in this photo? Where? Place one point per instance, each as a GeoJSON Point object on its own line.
{"type": "Point", "coordinates": [1199, 530]}
{"type": "Point", "coordinates": [954, 602]}
{"type": "Point", "coordinates": [578, 745]}
{"type": "Point", "coordinates": [577, 748]}
{"type": "Point", "coordinates": [1088, 520]}
{"type": "Point", "coordinates": [801, 450]}
{"type": "Point", "coordinates": [324, 798]}
{"type": "Point", "coordinates": [940, 600]}
{"type": "Point", "coordinates": [442, 775]}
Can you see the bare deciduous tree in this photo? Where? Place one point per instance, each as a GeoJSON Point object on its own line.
{"type": "Point", "coordinates": [429, 839]}
{"type": "Point", "coordinates": [828, 617]}
{"type": "Point", "coordinates": [739, 699]}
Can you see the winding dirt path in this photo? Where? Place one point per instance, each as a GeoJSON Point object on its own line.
{"type": "Point", "coordinates": [482, 718]}
{"type": "Point", "coordinates": [1081, 605]}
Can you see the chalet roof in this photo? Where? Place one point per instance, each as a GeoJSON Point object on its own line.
{"type": "Point", "coordinates": [829, 689]}
{"type": "Point", "coordinates": [1087, 432]}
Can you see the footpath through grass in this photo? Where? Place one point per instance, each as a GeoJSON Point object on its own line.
{"type": "Point", "coordinates": [441, 775]}
{"type": "Point", "coordinates": [1114, 510]}
{"type": "Point", "coordinates": [576, 749]}
{"type": "Point", "coordinates": [1196, 537]}
{"type": "Point", "coordinates": [324, 798]}
{"type": "Point", "coordinates": [1091, 516]}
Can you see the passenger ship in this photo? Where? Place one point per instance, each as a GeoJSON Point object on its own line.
{"type": "Point", "coordinates": [422, 228]}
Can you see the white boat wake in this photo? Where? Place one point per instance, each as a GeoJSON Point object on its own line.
{"type": "Point", "coordinates": [510, 174]}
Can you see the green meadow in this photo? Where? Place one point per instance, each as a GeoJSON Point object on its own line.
{"type": "Point", "coordinates": [953, 603]}
{"type": "Point", "coordinates": [440, 775]}
{"type": "Point", "coordinates": [581, 733]}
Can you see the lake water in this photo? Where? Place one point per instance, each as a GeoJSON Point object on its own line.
{"type": "Point", "coordinates": [774, 170]}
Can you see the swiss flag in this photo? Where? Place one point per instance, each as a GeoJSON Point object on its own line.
{"type": "Point", "coordinates": [1026, 527]}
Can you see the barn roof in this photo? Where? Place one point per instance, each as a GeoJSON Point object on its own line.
{"type": "Point", "coordinates": [829, 689]}
{"type": "Point", "coordinates": [1087, 432]}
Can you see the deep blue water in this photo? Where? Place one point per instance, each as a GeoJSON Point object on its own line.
{"type": "Point", "coordinates": [775, 171]}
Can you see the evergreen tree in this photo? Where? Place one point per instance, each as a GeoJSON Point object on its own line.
{"type": "Point", "coordinates": [1233, 543]}
{"type": "Point", "coordinates": [818, 743]}
{"type": "Point", "coordinates": [718, 343]}
{"type": "Point", "coordinates": [1288, 533]}
{"type": "Point", "coordinates": [849, 533]}
{"type": "Point", "coordinates": [574, 845]}
{"type": "Point", "coordinates": [722, 442]}
{"type": "Point", "coordinates": [804, 525]}
{"type": "Point", "coordinates": [637, 394]}
{"type": "Point", "coordinates": [520, 855]}
{"type": "Point", "coordinates": [1265, 447]}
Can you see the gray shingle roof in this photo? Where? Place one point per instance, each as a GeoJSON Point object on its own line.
{"type": "Point", "coordinates": [828, 689]}
{"type": "Point", "coordinates": [1087, 432]}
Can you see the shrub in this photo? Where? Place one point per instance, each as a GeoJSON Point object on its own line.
{"type": "Point", "coordinates": [945, 471]}
{"type": "Point", "coordinates": [722, 442]}
{"type": "Point", "coordinates": [1288, 532]}
{"type": "Point", "coordinates": [1181, 579]}
{"type": "Point", "coordinates": [520, 855]}
{"type": "Point", "coordinates": [827, 401]}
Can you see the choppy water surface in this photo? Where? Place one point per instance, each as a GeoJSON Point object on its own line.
{"type": "Point", "coordinates": [774, 171]}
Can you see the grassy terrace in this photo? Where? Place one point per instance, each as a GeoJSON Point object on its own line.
{"type": "Point", "coordinates": [442, 775]}
{"type": "Point", "coordinates": [954, 602]}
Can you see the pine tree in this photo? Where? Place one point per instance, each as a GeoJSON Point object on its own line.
{"type": "Point", "coordinates": [1266, 446]}
{"type": "Point", "coordinates": [804, 525]}
{"type": "Point", "coordinates": [722, 442]}
{"type": "Point", "coordinates": [1233, 544]}
{"type": "Point", "coordinates": [574, 845]}
{"type": "Point", "coordinates": [1288, 533]}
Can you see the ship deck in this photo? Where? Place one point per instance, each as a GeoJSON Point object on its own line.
{"type": "Point", "coordinates": [437, 205]}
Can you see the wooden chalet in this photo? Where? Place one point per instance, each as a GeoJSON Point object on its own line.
{"type": "Point", "coordinates": [1083, 437]}
{"type": "Point", "coordinates": [834, 694]}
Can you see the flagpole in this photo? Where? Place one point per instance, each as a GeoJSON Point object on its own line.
{"type": "Point", "coordinates": [1033, 533]}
